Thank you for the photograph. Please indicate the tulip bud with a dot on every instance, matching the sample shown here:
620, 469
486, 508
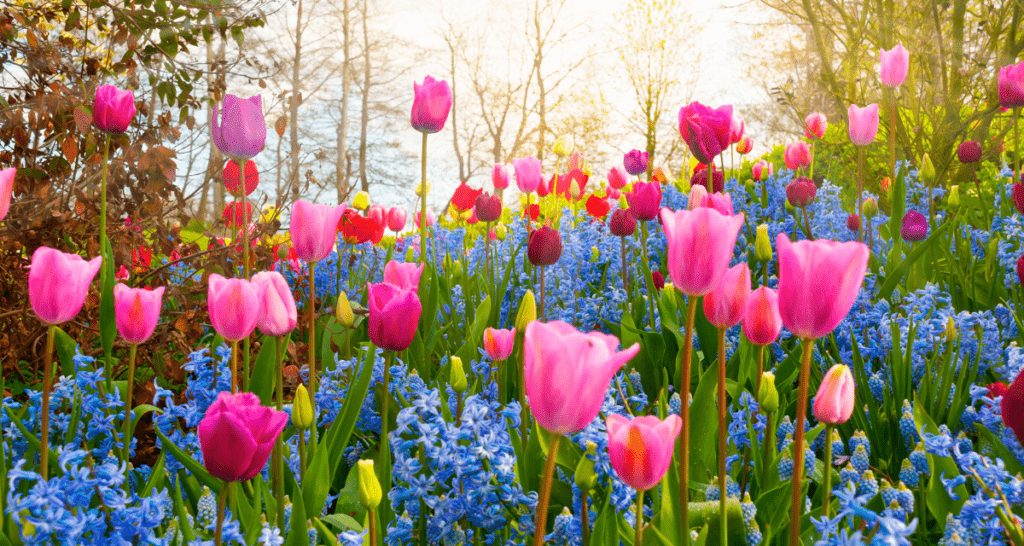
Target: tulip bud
527, 311
500, 232
870, 207
282, 252
302, 409
927, 171
410, 256
419, 189
343, 311
595, 254
834, 401
369, 488
950, 330
767, 394
585, 476
564, 145
853, 222
544, 247
969, 152
457, 376
954, 197
361, 201
763, 244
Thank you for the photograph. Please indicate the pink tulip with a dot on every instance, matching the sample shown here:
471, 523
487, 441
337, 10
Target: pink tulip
797, 154
234, 307
403, 275
278, 315
722, 202
618, 177
1011, 85
237, 435
745, 145
762, 170
377, 213
736, 127
502, 175
314, 230
430, 219
834, 401
58, 283
895, 64
705, 130
818, 283
761, 321
863, 124
136, 312
397, 217
645, 200
698, 196
498, 343
613, 193
815, 125
700, 245
635, 162
1012, 405
528, 175
568, 373
641, 448
394, 314
431, 104
239, 130
727, 303
113, 109
6, 190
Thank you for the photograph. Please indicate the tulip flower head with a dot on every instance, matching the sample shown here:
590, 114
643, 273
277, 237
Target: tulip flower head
700, 178
853, 222
568, 372
745, 145
801, 191
895, 64
618, 177
700, 245
598, 207
1012, 405
762, 323
635, 162
622, 223
278, 315
762, 170
722, 202
502, 175
313, 230
736, 127
113, 109
815, 125
797, 154
834, 401
6, 190
645, 200
641, 448
499, 343
136, 312
706, 131
394, 314
237, 435
430, 219
238, 127
431, 104
1011, 85
488, 207
969, 152
914, 226
58, 283
232, 177
563, 145
528, 175
464, 197
544, 247
234, 307
403, 275
397, 217
1018, 197
863, 124
727, 303
698, 196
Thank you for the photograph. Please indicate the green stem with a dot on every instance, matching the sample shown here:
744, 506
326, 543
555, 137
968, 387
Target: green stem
640, 518
312, 344
279, 444
108, 365
234, 367
860, 193
302, 455
44, 419
828, 469
723, 432
128, 405
222, 498
545, 492
385, 446
892, 146
684, 412
796, 504
649, 279
423, 202
625, 278
711, 178
1016, 141
760, 371
524, 415
540, 306
245, 221
585, 517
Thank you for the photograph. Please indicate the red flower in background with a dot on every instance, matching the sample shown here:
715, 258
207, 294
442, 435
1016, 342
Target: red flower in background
356, 229
233, 214
465, 197
231, 177
563, 185
533, 210
597, 207
141, 258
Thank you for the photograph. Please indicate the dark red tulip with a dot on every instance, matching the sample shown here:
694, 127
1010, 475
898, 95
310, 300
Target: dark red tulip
545, 246
801, 191
622, 223
1018, 196
853, 222
1020, 269
969, 152
997, 389
598, 207
488, 207
659, 279
1013, 407
700, 178
465, 197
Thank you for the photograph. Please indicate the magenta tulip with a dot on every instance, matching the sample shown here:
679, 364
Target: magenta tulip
404, 275
818, 283
498, 343
488, 207
6, 190
136, 312
278, 315
641, 448
113, 109
801, 191
528, 175
727, 303
234, 307
914, 226
635, 162
502, 175
762, 322
431, 104
762, 170
834, 402
705, 130
622, 223
722, 202
797, 154
895, 64
394, 314
815, 125
736, 127
237, 435
645, 200
568, 372
700, 245
397, 217
314, 229
58, 283
863, 124
618, 177
1011, 86
239, 130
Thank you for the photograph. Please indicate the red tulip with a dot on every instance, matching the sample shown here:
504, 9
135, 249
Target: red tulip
357, 229
801, 191
237, 435
914, 226
502, 175
533, 211
598, 207
762, 322
431, 104
465, 197
622, 223
232, 177
853, 222
659, 280
744, 146
394, 314
700, 178
762, 170
544, 247
233, 216
565, 181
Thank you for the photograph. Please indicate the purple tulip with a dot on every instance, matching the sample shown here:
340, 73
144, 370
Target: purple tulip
136, 312
237, 435
635, 162
58, 283
394, 314
431, 104
239, 129
113, 109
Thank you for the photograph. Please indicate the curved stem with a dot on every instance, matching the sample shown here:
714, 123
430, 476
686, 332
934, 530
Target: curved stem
44, 418
828, 468
640, 518
545, 492
108, 365
423, 202
234, 367
684, 412
128, 405
796, 506
221, 501
723, 432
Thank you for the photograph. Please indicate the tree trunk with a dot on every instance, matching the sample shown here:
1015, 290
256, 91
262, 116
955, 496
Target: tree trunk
365, 120
340, 165
293, 134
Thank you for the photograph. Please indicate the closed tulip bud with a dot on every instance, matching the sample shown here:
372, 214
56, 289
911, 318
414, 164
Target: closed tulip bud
658, 279
410, 255
1020, 269
6, 190
238, 127
302, 409
763, 244
834, 401
954, 197
419, 189
797, 154
370, 493
950, 330
762, 322
136, 311
343, 311
431, 104
744, 146
595, 254
927, 171
361, 201
564, 145
622, 223
635, 162
58, 283
500, 232
895, 64
585, 477
801, 191
969, 152
113, 109
853, 222
574, 191
237, 435
527, 311
528, 175
885, 184
544, 247
314, 229
870, 207
234, 307
397, 217
700, 246
767, 394
394, 314
457, 376
815, 125
863, 124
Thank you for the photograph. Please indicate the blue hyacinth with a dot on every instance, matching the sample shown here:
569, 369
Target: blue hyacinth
859, 460
908, 474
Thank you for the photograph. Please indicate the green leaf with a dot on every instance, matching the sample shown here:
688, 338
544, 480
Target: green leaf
193, 466
298, 534
336, 438
156, 477
317, 482
264, 371
34, 442
342, 522
939, 502
892, 280
468, 352
66, 349
703, 424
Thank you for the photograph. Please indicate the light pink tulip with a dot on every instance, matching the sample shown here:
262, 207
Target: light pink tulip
762, 322
403, 275
895, 64
863, 124
502, 175
736, 127
58, 283
528, 175
797, 154
237, 435
762, 170
136, 312
430, 219
278, 315
618, 177
722, 202
568, 373
234, 307
641, 448
498, 343
727, 303
314, 230
700, 245
6, 190
698, 196
834, 401
397, 217
376, 213
815, 125
818, 283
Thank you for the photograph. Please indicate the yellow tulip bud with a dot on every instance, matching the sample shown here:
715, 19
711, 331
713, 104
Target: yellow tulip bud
950, 330
927, 170
595, 254
370, 493
954, 197
564, 145
361, 201
343, 311
500, 232
410, 256
457, 377
763, 244
302, 409
419, 189
527, 311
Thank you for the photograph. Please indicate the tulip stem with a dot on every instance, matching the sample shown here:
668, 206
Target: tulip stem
625, 277
722, 434
128, 405
828, 469
245, 365
373, 527
545, 492
44, 419
860, 193
234, 367
222, 498
423, 202
108, 365
302, 455
312, 344
684, 413
648, 278
540, 309
640, 518
385, 406
524, 416
585, 517
245, 222
279, 444
760, 371
796, 505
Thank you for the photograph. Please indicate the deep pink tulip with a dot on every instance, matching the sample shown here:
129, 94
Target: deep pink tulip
618, 177
488, 207
394, 314
431, 104
136, 312
113, 109
834, 402
895, 64
641, 448
722, 202
622, 223
314, 230
645, 200
528, 175
544, 246
705, 130
818, 283
239, 130
568, 373
815, 125
969, 151
700, 245
234, 307
58, 283
278, 315
613, 193
1012, 405
397, 217
727, 303
736, 127
698, 196
1011, 85
914, 226
863, 124
797, 154
761, 321
502, 175
237, 435
801, 191
403, 275
1018, 197
499, 343
762, 170
6, 190
635, 162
